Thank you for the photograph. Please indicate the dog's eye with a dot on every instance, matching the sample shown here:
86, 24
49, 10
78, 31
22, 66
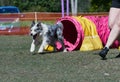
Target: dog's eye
37, 29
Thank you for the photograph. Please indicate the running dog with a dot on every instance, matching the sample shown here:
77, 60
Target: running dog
50, 34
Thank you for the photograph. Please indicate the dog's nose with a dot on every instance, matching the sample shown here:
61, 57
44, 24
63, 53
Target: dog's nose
31, 34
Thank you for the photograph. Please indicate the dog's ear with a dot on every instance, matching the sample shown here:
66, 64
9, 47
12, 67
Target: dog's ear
33, 23
39, 24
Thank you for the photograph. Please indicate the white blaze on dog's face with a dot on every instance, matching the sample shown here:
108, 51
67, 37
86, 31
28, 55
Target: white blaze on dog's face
35, 28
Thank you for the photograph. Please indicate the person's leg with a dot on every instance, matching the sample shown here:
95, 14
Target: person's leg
114, 24
113, 15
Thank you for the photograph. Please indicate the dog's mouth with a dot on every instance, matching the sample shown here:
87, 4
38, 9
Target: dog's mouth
34, 37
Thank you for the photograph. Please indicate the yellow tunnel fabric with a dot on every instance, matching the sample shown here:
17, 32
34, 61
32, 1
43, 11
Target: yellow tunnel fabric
91, 39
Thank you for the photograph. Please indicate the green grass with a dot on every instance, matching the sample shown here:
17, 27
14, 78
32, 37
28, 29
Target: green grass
17, 64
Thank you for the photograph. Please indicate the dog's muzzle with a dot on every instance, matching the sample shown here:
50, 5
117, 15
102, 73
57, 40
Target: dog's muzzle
33, 33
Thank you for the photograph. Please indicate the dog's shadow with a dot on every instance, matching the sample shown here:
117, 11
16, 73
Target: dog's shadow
44, 53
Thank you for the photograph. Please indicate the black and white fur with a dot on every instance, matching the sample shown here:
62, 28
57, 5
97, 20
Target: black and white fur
49, 34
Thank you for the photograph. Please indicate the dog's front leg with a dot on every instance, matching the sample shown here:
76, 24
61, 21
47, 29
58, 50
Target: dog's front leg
41, 49
32, 48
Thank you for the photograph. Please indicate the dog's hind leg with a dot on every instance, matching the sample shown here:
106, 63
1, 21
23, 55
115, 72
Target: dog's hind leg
60, 38
63, 46
62, 43
55, 49
32, 48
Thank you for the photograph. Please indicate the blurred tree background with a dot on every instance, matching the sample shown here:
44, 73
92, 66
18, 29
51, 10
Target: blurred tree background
55, 5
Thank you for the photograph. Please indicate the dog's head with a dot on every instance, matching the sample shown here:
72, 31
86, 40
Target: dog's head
36, 28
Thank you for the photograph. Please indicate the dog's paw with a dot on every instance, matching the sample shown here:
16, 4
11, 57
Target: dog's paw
31, 50
40, 52
64, 50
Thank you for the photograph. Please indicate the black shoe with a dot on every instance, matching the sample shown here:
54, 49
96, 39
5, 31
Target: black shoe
118, 56
103, 53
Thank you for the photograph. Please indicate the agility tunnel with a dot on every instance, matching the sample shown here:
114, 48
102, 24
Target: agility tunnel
73, 33
86, 33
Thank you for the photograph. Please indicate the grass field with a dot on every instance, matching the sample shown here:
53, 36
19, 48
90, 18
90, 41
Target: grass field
17, 64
